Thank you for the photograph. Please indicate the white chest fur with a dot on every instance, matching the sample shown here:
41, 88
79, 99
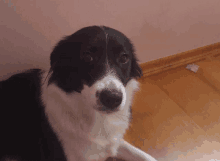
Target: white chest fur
85, 133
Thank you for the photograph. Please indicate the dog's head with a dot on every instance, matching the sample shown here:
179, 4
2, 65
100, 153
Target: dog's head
100, 58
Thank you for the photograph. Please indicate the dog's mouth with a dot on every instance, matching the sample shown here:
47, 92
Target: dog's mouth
106, 110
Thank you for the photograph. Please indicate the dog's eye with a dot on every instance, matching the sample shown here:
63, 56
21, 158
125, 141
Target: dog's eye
87, 57
124, 58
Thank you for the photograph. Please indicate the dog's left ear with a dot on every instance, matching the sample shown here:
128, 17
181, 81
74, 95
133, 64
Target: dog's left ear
136, 70
63, 53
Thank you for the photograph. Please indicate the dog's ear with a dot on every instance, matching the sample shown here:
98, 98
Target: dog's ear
136, 70
65, 65
64, 52
57, 52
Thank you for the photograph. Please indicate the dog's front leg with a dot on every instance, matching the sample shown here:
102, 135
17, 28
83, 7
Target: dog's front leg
128, 152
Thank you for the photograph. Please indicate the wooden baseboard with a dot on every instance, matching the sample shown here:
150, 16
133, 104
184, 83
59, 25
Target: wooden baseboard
180, 59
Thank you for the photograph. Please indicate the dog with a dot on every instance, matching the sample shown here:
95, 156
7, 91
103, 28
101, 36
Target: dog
77, 111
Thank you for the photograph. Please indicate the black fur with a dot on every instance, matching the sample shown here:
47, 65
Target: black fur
25, 131
66, 59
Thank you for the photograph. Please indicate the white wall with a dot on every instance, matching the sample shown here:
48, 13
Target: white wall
30, 28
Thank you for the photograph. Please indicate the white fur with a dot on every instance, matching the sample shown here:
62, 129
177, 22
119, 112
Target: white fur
85, 133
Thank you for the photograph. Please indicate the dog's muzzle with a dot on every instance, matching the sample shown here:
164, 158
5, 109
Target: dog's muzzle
109, 99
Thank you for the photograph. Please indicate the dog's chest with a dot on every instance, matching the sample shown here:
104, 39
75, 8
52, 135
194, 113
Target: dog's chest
107, 133
102, 141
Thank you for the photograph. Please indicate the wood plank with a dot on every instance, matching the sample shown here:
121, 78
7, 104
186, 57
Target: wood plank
209, 72
196, 98
159, 125
184, 58
217, 56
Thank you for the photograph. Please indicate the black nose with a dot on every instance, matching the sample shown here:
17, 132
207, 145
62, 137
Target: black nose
110, 98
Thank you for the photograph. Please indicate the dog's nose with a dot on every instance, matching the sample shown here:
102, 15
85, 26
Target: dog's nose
110, 98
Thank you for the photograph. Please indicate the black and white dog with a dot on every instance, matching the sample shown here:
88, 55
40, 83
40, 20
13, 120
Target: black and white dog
80, 109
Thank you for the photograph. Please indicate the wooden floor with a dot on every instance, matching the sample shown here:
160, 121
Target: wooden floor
176, 114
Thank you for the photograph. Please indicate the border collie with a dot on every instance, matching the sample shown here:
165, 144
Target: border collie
80, 109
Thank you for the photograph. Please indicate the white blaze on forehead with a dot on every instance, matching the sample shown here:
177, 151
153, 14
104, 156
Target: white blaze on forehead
107, 67
109, 81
